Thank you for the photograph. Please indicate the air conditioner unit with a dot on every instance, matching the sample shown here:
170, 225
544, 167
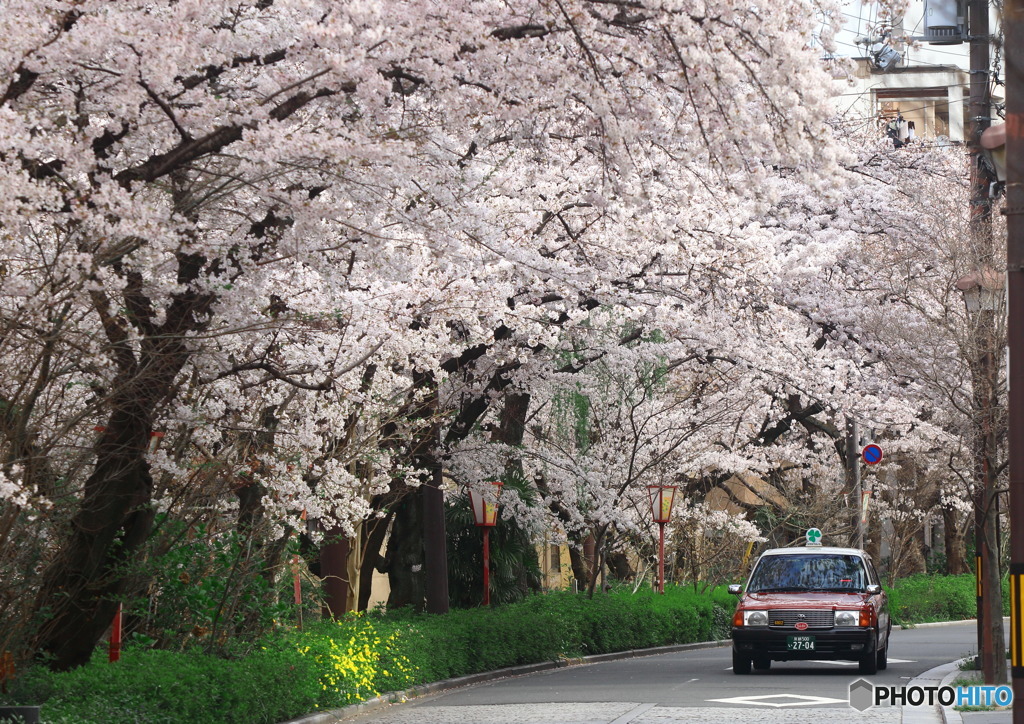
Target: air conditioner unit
943, 22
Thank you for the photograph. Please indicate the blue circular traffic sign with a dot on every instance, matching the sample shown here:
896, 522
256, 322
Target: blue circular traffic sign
871, 454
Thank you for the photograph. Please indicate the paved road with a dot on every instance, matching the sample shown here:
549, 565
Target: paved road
682, 687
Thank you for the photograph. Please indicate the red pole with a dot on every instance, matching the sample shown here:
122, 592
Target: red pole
297, 588
661, 557
296, 581
487, 566
115, 636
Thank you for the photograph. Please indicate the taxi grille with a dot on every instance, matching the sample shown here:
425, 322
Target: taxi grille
788, 618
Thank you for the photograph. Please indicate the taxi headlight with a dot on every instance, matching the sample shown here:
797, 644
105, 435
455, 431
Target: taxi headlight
847, 618
755, 618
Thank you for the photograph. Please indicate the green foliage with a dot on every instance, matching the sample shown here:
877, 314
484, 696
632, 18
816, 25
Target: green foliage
158, 687
331, 664
923, 598
515, 572
355, 658
208, 588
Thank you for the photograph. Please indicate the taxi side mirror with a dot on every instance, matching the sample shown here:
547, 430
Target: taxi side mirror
873, 588
735, 589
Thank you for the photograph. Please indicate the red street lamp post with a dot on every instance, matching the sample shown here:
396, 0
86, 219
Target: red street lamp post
485, 515
662, 497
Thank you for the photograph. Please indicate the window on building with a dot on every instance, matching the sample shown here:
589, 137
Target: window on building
926, 108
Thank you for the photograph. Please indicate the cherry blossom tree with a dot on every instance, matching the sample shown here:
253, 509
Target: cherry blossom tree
284, 233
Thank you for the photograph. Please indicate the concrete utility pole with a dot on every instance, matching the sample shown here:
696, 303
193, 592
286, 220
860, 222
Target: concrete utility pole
1013, 32
991, 645
853, 475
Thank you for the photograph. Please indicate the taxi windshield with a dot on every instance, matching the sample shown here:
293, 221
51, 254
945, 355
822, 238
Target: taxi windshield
808, 572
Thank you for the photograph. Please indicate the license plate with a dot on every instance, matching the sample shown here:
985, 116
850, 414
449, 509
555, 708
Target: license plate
800, 643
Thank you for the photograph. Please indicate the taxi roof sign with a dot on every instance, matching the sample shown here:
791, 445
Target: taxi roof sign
813, 537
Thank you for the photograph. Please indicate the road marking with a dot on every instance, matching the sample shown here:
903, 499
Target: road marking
844, 663
854, 663
800, 700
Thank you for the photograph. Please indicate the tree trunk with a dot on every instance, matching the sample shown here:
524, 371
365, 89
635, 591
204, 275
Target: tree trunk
80, 588
953, 540
82, 584
374, 531
334, 552
404, 560
580, 569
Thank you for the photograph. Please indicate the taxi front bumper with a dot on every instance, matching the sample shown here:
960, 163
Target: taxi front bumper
836, 643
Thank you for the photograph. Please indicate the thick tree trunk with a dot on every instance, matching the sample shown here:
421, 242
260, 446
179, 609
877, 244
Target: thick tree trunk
953, 540
580, 569
334, 552
374, 531
81, 586
404, 559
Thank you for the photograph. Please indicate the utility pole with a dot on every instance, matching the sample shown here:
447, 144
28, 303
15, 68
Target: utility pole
991, 646
853, 474
1013, 32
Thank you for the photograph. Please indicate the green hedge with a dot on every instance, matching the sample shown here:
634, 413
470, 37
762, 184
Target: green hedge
923, 598
162, 687
331, 664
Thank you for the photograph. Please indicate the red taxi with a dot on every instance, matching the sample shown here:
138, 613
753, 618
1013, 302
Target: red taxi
811, 603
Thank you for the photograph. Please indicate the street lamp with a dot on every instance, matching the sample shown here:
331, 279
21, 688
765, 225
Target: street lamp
662, 497
485, 515
982, 290
983, 295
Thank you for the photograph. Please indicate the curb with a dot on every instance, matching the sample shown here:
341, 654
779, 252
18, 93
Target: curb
949, 714
398, 697
910, 626
1006, 619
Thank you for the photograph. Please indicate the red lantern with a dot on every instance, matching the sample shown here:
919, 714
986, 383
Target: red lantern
485, 515
662, 497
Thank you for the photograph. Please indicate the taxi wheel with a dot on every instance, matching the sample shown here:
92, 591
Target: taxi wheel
868, 664
740, 663
762, 664
882, 658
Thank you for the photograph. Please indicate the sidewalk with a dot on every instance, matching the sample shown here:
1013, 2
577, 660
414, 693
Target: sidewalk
951, 716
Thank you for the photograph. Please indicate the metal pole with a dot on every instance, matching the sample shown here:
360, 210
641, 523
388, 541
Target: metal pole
1013, 30
661, 557
487, 566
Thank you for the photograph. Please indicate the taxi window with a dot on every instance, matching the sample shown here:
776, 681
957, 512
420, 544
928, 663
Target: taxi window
810, 572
